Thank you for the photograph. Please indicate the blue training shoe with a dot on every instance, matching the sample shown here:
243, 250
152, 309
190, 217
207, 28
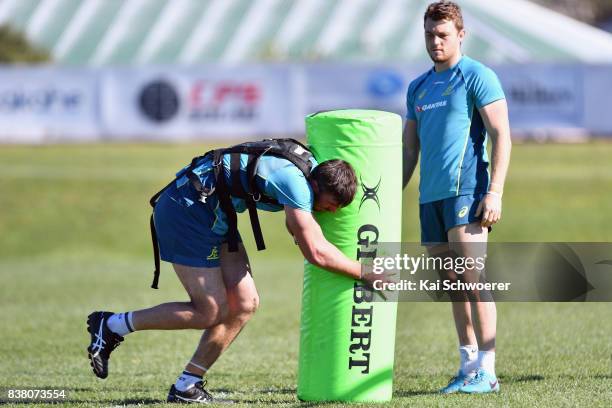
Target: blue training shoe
456, 382
481, 383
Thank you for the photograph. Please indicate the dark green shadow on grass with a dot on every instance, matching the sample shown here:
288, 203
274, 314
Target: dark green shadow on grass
521, 378
413, 393
129, 401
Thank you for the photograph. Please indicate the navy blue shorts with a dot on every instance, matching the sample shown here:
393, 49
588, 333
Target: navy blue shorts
437, 217
184, 231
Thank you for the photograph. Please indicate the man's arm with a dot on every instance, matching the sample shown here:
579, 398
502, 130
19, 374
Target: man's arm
315, 248
411, 149
495, 118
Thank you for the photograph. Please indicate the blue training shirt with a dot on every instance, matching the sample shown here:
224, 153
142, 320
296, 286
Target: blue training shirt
451, 132
276, 177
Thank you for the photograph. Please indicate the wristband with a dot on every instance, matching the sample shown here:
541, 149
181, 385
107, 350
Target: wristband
495, 193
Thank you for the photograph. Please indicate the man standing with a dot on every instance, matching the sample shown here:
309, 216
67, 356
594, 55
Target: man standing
194, 232
451, 110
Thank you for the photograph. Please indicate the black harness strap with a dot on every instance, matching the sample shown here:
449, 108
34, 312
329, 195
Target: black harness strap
155, 283
289, 149
251, 203
257, 234
225, 201
253, 198
301, 160
153, 201
237, 190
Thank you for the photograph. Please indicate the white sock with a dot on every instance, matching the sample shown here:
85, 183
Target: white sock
120, 323
469, 358
486, 361
186, 380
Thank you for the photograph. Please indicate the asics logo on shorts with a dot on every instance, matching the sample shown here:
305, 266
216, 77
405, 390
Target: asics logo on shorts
463, 211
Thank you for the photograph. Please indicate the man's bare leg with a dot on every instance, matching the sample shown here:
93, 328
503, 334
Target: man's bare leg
209, 309
462, 316
466, 240
243, 301
470, 240
207, 306
222, 310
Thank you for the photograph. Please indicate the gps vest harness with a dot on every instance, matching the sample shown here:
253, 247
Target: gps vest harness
289, 149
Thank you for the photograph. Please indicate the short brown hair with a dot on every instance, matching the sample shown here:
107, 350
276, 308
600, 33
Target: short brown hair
336, 177
445, 10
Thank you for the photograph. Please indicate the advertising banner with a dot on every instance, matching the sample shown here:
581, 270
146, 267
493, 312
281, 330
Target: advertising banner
344, 86
203, 102
543, 96
538, 96
45, 105
597, 86
42, 105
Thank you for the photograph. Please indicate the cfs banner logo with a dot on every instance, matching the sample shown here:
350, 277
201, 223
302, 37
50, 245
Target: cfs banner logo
224, 99
204, 100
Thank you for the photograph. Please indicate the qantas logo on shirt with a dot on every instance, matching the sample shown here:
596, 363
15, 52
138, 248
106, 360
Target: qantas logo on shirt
429, 106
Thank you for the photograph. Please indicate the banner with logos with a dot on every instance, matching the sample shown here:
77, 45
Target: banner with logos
596, 96
538, 96
39, 105
206, 102
332, 87
45, 105
544, 96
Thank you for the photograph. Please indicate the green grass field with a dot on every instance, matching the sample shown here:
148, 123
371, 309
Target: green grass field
74, 238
